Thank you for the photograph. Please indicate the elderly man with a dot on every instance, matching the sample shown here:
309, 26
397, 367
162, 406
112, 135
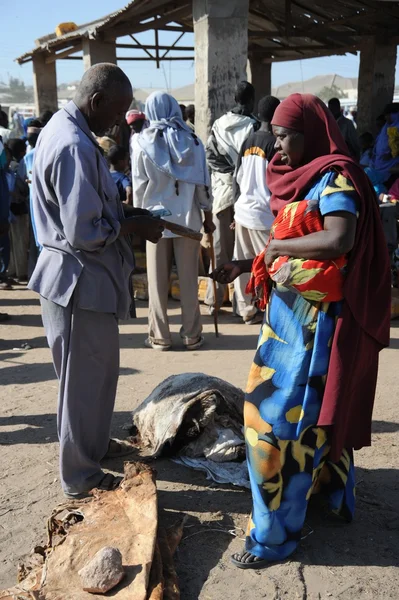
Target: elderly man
83, 271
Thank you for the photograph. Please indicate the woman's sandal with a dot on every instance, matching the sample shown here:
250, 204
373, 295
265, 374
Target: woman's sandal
108, 483
119, 448
246, 560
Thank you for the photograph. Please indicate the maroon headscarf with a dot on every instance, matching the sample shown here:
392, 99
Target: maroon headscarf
363, 327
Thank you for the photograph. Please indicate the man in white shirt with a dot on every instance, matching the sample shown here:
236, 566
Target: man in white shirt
252, 214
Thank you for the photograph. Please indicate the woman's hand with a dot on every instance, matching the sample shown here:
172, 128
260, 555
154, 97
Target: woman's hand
226, 273
272, 253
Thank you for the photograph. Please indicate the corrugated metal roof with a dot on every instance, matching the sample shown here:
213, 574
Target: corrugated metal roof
311, 29
89, 30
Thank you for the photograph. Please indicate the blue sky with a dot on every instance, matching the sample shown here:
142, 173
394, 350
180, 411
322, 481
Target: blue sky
24, 21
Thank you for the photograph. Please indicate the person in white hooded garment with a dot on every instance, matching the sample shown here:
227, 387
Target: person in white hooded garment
169, 173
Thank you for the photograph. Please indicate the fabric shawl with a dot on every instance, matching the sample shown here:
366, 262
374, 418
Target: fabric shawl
170, 144
363, 327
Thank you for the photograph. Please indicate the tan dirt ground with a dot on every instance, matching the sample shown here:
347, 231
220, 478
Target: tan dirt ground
343, 562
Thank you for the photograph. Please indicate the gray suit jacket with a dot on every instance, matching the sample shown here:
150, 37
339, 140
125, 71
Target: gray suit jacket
77, 214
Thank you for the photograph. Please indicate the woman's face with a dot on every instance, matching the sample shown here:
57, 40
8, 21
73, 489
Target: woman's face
290, 145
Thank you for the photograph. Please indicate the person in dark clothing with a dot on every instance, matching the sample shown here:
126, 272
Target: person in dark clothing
190, 116
45, 117
252, 214
118, 160
222, 150
346, 127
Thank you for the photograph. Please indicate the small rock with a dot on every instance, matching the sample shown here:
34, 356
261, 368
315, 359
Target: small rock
103, 572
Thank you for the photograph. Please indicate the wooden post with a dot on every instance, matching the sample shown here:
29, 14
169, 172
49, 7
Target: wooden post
221, 47
44, 83
376, 80
260, 75
98, 51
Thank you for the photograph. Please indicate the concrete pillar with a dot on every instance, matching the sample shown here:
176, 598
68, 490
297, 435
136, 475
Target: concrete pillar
44, 84
97, 51
376, 80
221, 47
260, 75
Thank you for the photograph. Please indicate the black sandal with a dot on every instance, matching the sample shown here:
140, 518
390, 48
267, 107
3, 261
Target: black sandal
108, 483
246, 560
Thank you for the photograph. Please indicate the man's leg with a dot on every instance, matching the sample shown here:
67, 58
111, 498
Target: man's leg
249, 243
85, 348
4, 256
223, 240
159, 263
186, 253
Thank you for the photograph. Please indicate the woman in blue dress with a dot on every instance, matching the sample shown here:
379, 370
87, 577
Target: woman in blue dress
311, 386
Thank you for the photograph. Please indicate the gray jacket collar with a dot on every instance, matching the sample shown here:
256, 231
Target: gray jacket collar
74, 112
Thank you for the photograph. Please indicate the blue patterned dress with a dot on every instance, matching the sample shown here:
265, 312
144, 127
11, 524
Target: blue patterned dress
287, 453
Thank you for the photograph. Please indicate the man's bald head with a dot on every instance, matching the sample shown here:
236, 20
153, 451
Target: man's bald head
103, 96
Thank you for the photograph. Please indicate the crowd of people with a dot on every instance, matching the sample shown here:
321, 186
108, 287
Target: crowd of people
296, 226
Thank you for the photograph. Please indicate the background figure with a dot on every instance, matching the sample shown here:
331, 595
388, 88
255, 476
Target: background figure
384, 167
170, 172
346, 127
118, 160
4, 225
366, 141
25, 173
190, 116
183, 111
5, 131
19, 226
223, 147
136, 121
252, 214
45, 117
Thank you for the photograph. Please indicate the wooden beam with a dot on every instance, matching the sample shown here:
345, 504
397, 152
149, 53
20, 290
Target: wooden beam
149, 47
139, 45
387, 8
145, 58
156, 33
64, 54
335, 52
288, 17
157, 23
259, 50
140, 58
173, 45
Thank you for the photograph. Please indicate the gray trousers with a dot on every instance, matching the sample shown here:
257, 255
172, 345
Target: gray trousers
159, 265
223, 241
249, 243
85, 348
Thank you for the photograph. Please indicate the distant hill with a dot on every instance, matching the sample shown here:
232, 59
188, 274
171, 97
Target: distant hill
315, 85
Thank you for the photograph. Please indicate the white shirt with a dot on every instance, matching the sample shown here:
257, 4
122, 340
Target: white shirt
153, 190
252, 209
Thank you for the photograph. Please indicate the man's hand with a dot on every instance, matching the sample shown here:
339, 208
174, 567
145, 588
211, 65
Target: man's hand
145, 227
132, 211
209, 225
226, 273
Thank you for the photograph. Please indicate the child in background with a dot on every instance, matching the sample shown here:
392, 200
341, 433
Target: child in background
118, 160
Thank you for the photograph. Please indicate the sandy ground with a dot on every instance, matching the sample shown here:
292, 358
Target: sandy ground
344, 562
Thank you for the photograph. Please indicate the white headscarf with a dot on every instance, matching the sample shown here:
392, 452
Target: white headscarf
170, 144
